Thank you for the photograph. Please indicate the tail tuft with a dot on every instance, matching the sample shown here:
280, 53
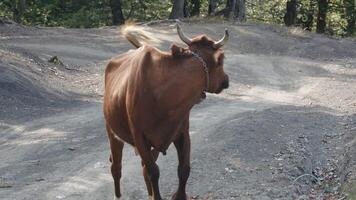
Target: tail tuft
136, 35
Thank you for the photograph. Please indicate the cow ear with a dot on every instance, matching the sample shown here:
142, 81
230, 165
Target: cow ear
178, 51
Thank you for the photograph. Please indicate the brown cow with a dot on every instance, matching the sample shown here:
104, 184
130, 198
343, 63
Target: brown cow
148, 98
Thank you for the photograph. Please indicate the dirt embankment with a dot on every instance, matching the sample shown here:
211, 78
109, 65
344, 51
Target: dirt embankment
285, 129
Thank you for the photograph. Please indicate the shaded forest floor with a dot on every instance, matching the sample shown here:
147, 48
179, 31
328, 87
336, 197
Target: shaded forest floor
285, 129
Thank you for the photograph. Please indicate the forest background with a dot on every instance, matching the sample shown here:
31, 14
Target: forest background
332, 17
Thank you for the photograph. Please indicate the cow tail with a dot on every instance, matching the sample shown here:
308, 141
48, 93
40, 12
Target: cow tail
129, 32
135, 34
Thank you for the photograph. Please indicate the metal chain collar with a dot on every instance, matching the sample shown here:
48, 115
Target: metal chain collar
205, 67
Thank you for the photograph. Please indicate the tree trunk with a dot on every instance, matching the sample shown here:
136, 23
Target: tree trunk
322, 11
19, 10
177, 10
212, 7
196, 8
230, 10
116, 10
62, 4
76, 5
235, 9
242, 10
350, 12
186, 9
291, 14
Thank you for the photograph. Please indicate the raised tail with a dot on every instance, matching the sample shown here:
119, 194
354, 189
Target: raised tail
136, 35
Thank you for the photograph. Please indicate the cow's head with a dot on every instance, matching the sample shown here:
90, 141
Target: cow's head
212, 53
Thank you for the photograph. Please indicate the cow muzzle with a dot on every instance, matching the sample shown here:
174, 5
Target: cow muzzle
225, 82
224, 85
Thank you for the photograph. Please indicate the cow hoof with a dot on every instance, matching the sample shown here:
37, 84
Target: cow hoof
178, 196
152, 198
116, 198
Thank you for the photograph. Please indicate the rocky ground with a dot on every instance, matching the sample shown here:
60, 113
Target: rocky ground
285, 129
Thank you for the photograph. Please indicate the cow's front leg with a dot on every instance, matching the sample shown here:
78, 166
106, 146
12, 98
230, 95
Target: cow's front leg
182, 145
150, 166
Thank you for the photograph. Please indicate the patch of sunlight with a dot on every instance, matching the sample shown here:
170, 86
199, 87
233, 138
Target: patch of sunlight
333, 93
79, 183
258, 93
298, 32
10, 127
14, 37
37, 136
309, 86
333, 68
338, 69
246, 32
85, 182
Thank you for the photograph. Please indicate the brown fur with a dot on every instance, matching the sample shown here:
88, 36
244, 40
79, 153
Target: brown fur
180, 52
147, 101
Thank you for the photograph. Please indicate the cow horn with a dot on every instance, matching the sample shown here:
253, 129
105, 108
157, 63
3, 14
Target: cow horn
181, 35
223, 40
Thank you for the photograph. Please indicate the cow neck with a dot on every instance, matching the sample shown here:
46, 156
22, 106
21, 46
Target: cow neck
205, 67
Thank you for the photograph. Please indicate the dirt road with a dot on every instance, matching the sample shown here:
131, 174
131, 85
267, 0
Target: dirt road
285, 129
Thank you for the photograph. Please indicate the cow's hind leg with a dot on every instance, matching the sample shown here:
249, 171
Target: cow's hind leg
145, 173
149, 162
182, 145
116, 147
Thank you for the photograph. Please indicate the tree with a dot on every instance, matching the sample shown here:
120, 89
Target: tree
235, 10
186, 9
212, 7
116, 10
291, 14
350, 12
61, 4
332, 16
241, 10
195, 8
18, 10
321, 20
230, 9
177, 9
